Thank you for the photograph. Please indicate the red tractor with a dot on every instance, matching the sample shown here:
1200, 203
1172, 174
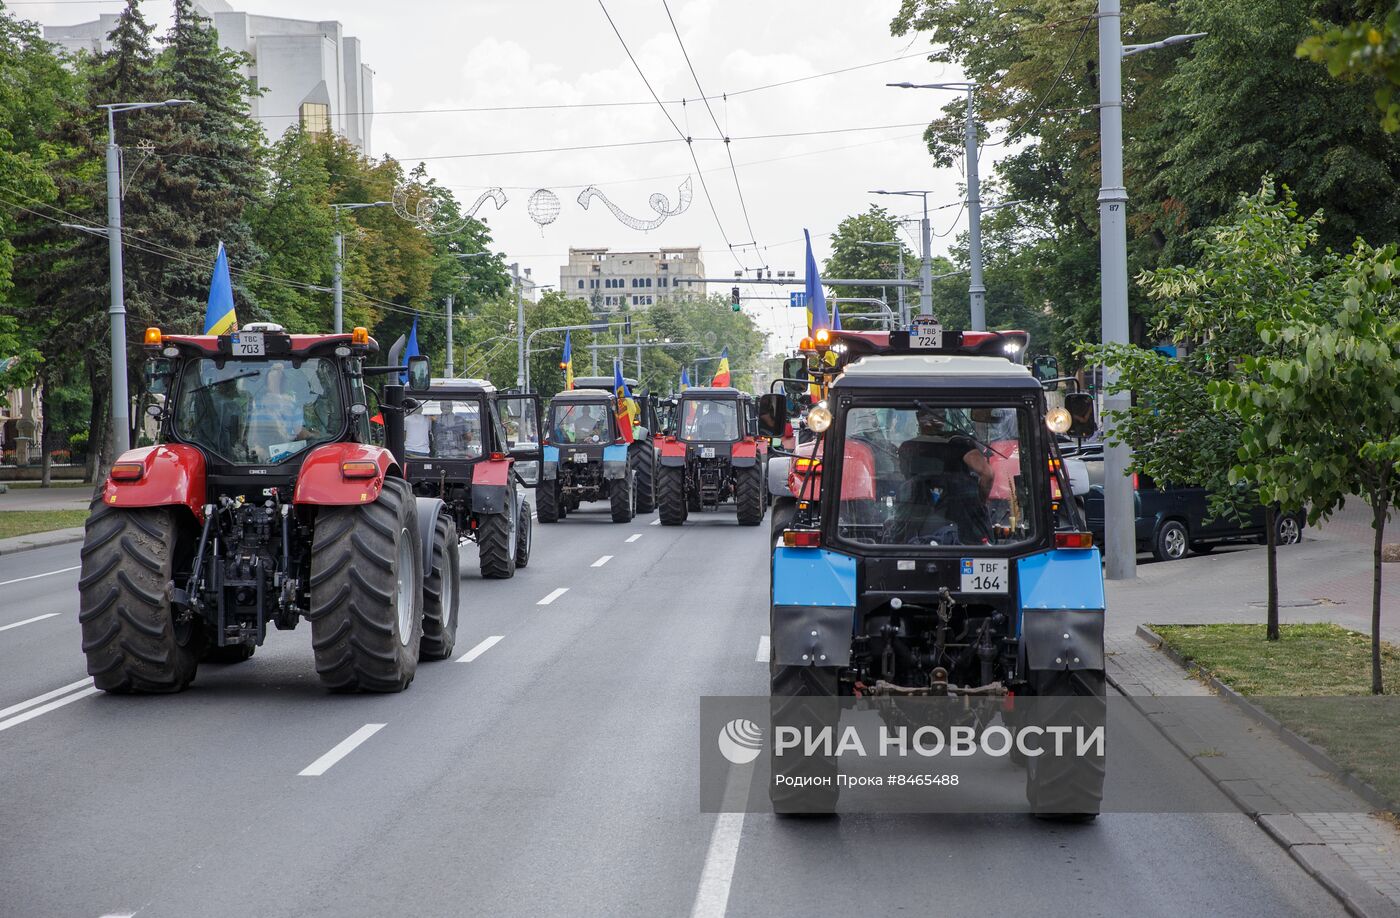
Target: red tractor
711, 457
264, 502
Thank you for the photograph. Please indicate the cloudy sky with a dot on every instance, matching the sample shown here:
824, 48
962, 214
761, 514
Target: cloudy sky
486, 53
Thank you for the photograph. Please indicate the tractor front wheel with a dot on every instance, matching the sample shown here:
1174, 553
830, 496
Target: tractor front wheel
132, 634
367, 593
440, 594
622, 498
644, 471
670, 495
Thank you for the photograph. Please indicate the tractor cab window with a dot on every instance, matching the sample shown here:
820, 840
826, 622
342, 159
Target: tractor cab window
709, 419
934, 475
581, 422
257, 412
445, 429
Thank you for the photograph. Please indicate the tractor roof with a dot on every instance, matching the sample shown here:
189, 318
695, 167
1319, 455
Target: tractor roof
713, 392
448, 386
584, 395
601, 382
278, 342
981, 343
935, 370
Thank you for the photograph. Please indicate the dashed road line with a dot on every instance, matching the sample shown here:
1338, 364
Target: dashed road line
481, 648
762, 656
633, 538
712, 898
61, 570
340, 751
601, 561
28, 621
655, 522
552, 596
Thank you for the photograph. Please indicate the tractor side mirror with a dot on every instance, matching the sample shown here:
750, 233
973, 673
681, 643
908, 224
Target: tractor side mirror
1045, 368
795, 368
1080, 406
772, 415
419, 377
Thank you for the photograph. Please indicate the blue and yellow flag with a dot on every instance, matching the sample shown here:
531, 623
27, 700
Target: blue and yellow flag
722, 371
411, 349
624, 402
219, 317
685, 379
567, 362
835, 318
816, 297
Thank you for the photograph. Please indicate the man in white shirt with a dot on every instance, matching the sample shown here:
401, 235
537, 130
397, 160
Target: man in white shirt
415, 432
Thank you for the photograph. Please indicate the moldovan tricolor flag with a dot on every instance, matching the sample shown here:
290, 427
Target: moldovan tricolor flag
567, 362
624, 398
219, 317
722, 373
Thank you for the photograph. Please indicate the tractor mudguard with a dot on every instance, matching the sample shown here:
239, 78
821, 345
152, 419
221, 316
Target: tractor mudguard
1062, 609
814, 600
172, 475
490, 486
615, 461
743, 454
549, 467
322, 482
429, 509
673, 453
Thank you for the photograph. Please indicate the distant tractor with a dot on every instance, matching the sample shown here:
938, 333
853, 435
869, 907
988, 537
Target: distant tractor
641, 453
465, 443
586, 457
712, 456
264, 502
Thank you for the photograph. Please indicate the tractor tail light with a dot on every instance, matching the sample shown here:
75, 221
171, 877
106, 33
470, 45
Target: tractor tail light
804, 466
497, 457
359, 468
128, 471
801, 538
1074, 540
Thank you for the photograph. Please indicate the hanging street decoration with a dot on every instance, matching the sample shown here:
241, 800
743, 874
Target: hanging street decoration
424, 210
659, 203
543, 207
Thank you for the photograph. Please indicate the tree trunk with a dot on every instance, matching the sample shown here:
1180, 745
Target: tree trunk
1271, 552
1378, 507
45, 440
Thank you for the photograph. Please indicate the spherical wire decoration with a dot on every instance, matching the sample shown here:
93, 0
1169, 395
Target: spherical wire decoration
543, 207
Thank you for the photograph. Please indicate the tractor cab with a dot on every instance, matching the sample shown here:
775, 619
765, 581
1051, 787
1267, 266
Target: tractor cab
589, 455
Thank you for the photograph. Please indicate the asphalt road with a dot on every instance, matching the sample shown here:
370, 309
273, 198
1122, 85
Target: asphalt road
554, 772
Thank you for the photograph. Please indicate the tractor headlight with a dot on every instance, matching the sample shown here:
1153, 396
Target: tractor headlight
1058, 420
819, 418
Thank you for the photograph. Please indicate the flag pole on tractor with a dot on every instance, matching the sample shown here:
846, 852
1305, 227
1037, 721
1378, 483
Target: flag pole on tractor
219, 317
816, 297
624, 400
722, 371
567, 362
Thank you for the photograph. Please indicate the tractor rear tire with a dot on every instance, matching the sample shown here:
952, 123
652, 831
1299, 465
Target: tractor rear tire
622, 497
367, 593
227, 654
748, 495
644, 472
670, 495
784, 512
1068, 788
496, 538
130, 634
803, 697
551, 508
524, 536
441, 593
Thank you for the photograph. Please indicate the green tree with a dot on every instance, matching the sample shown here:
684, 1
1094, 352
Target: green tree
1365, 49
1331, 401
851, 257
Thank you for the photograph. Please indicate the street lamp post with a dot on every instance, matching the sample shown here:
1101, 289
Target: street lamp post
340, 255
899, 268
121, 420
926, 266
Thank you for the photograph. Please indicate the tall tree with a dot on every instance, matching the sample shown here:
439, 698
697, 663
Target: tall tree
851, 256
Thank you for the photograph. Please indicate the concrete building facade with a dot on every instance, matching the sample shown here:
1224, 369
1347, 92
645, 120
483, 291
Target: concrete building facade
611, 279
311, 73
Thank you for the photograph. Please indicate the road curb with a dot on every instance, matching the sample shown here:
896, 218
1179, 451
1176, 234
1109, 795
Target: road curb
1304, 846
40, 540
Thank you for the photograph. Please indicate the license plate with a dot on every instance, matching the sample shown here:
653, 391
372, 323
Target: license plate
249, 344
926, 336
983, 575
580, 457
707, 452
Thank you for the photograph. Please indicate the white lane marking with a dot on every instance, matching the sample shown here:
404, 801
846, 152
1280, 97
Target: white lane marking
46, 708
656, 522
712, 898
37, 618
62, 570
633, 538
341, 750
601, 561
481, 648
762, 656
552, 596
40, 699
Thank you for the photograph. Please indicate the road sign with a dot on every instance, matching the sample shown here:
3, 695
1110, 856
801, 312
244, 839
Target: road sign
797, 299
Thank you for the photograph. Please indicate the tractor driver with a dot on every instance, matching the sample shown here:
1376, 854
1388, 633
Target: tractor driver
276, 417
454, 434
946, 484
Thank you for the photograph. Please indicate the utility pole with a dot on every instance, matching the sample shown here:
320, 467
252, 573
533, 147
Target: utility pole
976, 291
116, 311
450, 374
926, 264
519, 327
338, 267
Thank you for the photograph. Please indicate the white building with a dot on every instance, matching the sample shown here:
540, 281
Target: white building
606, 278
310, 72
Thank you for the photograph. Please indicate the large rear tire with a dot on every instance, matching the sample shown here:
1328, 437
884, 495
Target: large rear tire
525, 535
131, 637
622, 498
495, 536
748, 495
803, 698
644, 473
1067, 787
441, 594
367, 593
670, 495
550, 508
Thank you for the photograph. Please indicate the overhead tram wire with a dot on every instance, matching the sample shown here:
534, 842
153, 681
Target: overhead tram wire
728, 150
690, 147
1046, 97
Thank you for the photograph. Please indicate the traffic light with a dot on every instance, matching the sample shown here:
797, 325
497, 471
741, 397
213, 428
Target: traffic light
734, 299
